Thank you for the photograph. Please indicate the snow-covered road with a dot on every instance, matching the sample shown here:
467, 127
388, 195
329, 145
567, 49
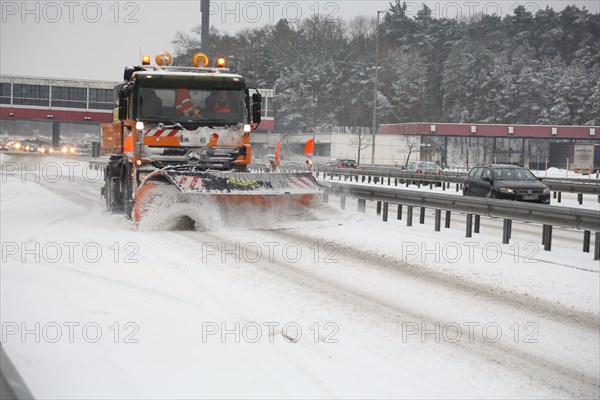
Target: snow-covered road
321, 304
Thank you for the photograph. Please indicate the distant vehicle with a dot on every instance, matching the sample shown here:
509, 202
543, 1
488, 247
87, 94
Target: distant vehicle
32, 147
46, 149
3, 147
337, 163
503, 181
584, 158
67, 149
423, 167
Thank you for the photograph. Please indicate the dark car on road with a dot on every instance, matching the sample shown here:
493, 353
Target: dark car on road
509, 182
342, 164
423, 167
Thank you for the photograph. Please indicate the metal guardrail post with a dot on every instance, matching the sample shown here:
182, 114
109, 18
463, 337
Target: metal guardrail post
544, 226
554, 195
580, 198
548, 241
422, 216
444, 186
438, 220
477, 223
457, 187
399, 216
409, 215
363, 178
362, 205
559, 196
385, 211
469, 225
389, 180
396, 184
506, 231
343, 202
586, 241
447, 221
597, 246
379, 208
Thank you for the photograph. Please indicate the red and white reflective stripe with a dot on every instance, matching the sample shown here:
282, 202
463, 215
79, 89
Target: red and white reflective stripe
194, 182
163, 132
187, 182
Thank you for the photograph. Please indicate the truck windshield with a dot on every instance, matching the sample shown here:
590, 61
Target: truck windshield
183, 104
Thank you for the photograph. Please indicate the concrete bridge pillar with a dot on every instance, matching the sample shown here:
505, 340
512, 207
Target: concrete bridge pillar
55, 134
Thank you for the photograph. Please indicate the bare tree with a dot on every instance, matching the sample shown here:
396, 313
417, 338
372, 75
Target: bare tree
410, 139
411, 142
184, 43
360, 138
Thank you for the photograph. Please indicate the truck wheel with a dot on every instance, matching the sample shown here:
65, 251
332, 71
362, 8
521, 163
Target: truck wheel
110, 191
126, 190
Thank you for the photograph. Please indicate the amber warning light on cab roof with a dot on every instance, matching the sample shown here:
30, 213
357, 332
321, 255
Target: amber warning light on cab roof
164, 59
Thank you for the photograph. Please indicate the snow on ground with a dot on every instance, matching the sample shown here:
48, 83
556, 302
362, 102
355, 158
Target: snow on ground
381, 310
563, 173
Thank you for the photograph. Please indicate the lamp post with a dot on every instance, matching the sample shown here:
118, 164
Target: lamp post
205, 10
374, 130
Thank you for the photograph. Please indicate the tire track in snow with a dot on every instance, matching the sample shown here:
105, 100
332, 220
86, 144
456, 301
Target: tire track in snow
303, 283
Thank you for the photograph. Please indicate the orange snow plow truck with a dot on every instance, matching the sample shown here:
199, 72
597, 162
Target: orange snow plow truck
179, 133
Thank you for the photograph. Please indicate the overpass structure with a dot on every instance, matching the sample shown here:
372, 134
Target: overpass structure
59, 101
56, 100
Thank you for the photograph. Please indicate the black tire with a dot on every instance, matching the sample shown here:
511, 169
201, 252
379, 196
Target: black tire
493, 195
111, 192
126, 189
466, 191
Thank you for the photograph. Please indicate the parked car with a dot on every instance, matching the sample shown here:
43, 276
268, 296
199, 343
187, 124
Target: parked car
337, 163
500, 181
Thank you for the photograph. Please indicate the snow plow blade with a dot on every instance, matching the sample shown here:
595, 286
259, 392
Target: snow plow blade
184, 192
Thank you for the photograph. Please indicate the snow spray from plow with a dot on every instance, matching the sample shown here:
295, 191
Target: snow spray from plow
181, 198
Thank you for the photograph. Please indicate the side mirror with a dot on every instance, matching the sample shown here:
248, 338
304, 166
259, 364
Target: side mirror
256, 108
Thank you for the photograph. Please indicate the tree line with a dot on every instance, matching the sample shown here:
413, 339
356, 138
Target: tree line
523, 68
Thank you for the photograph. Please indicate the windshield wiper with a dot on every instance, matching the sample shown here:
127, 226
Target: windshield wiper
173, 125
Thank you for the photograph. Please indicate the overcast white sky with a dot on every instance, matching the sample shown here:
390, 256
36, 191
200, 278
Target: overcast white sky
96, 39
